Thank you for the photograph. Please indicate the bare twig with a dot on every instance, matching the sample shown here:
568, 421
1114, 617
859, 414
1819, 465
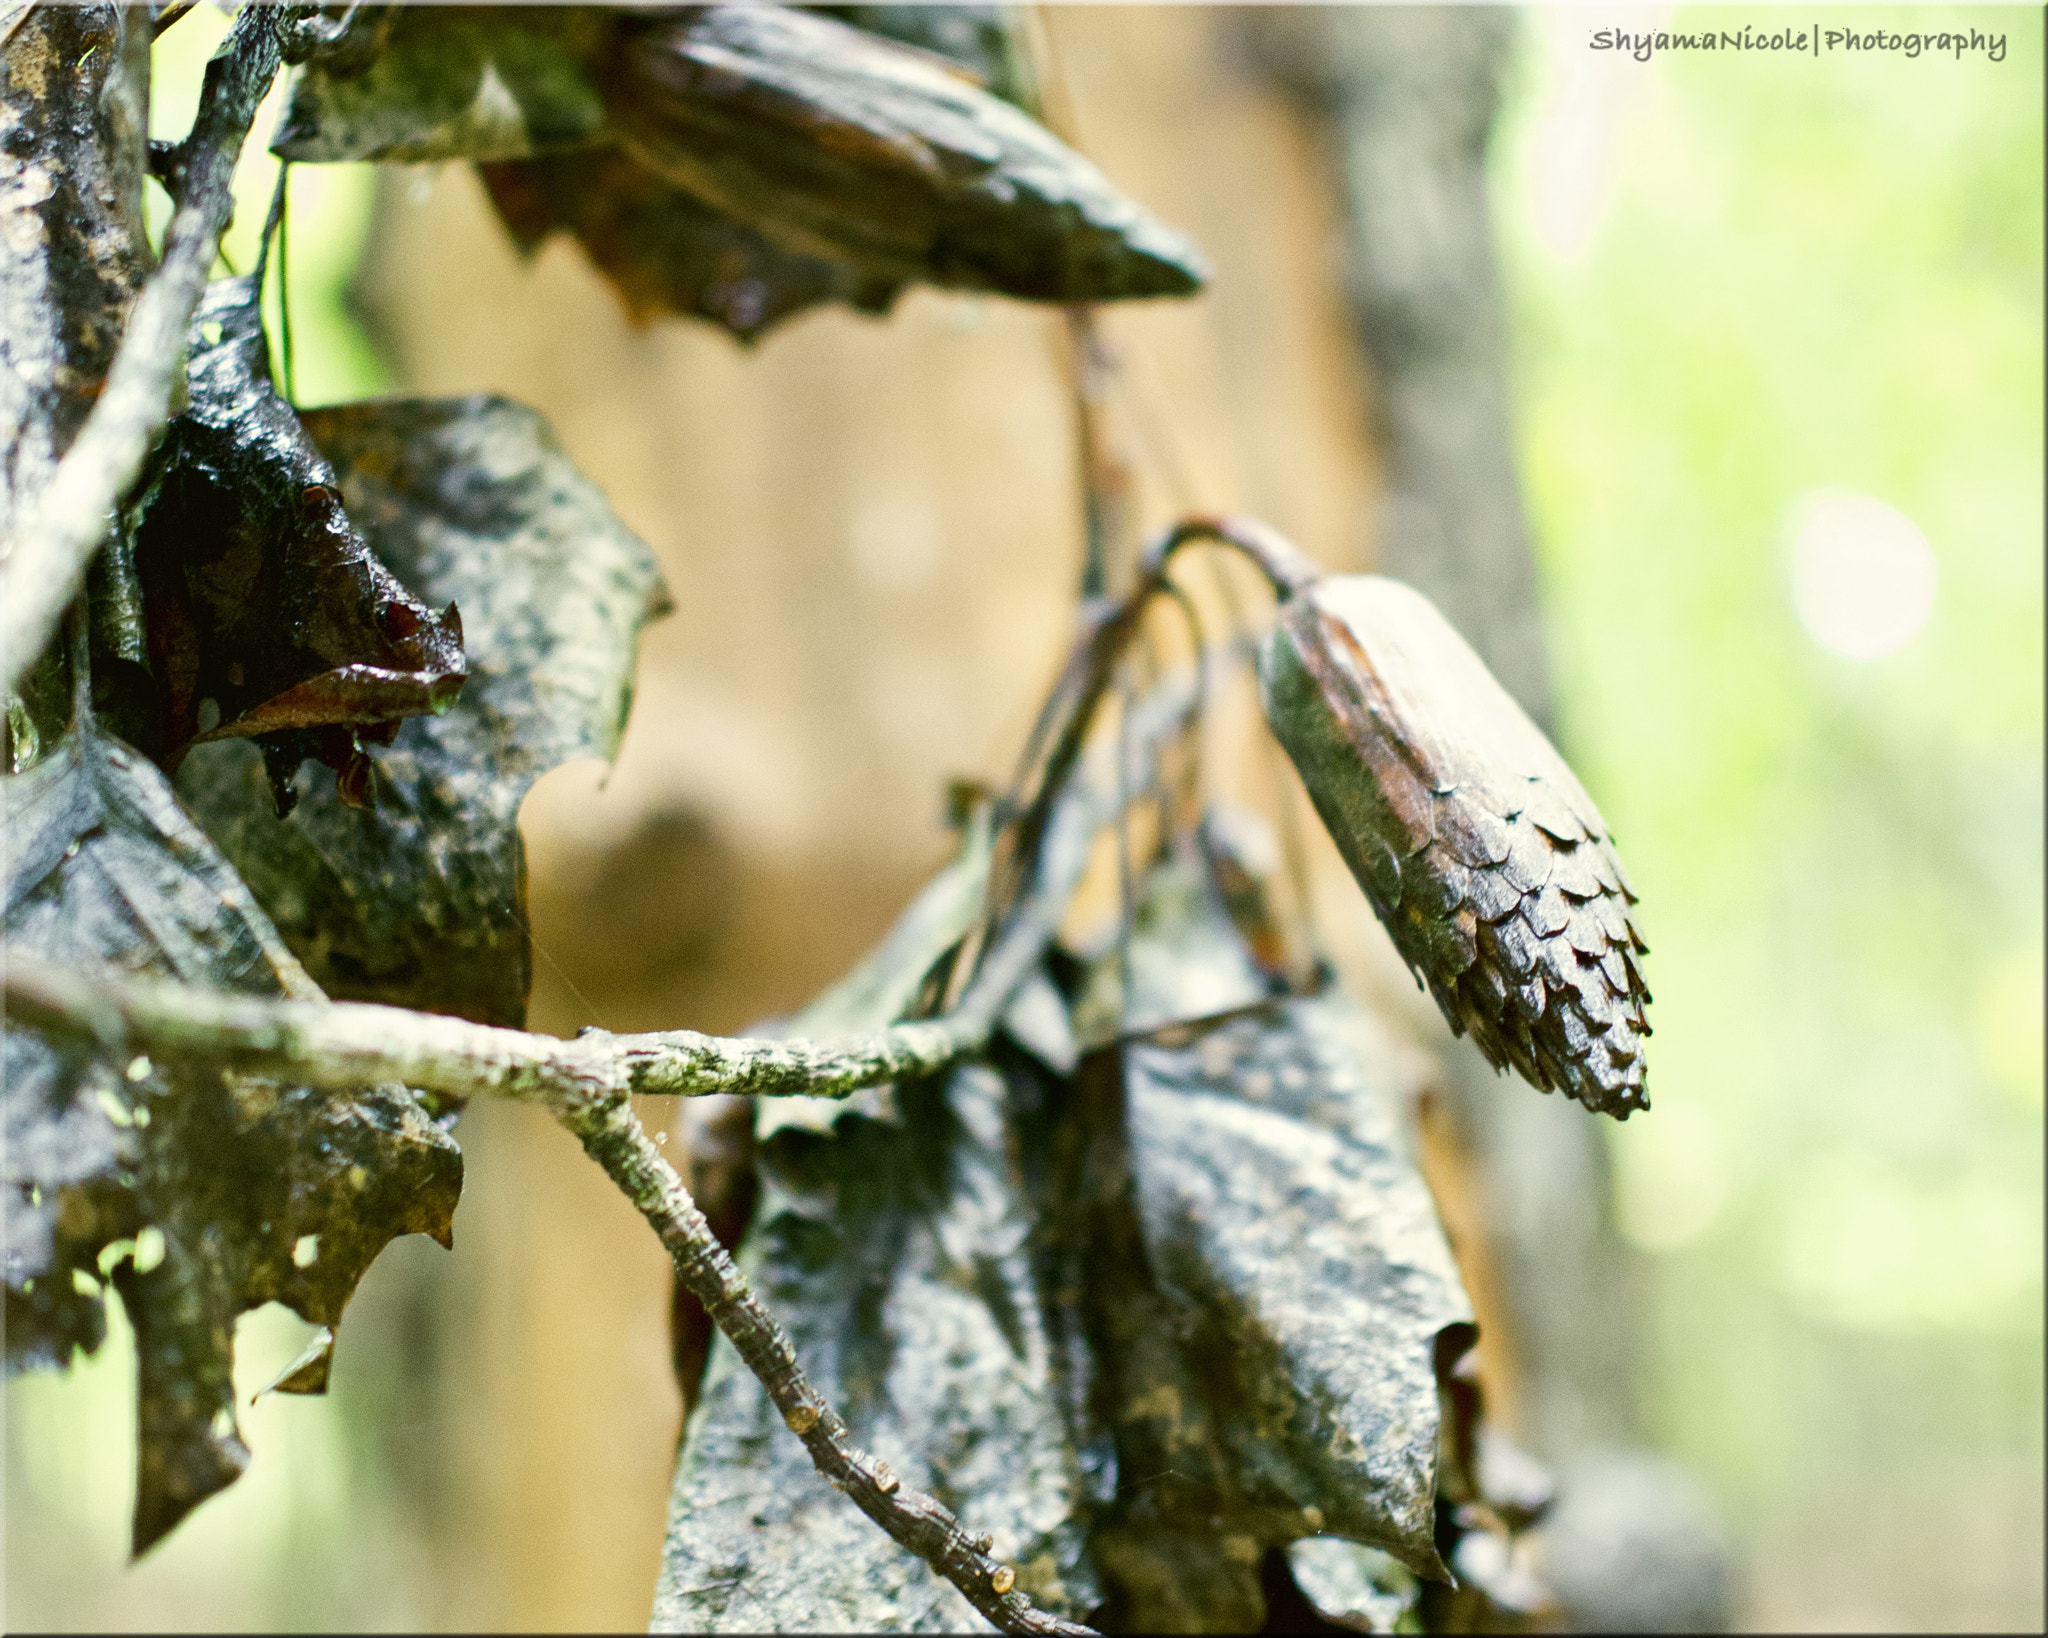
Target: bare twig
46, 560
1107, 631
586, 1084
614, 1138
341, 1045
165, 16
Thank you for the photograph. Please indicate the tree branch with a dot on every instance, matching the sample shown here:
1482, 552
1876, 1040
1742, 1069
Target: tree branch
342, 1045
615, 1139
587, 1084
46, 559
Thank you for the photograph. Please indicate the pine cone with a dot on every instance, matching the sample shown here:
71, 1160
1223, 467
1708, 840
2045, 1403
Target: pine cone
1479, 849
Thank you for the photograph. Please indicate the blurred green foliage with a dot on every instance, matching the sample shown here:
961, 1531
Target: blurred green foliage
1736, 280
328, 222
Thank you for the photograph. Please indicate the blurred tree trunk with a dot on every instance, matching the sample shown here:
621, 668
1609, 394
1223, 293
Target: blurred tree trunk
1404, 100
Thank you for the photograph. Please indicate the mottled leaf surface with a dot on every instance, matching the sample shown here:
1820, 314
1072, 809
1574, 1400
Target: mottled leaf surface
1220, 1276
664, 250
199, 1195
419, 900
892, 1239
1280, 1207
1268, 1291
836, 143
897, 1254
453, 82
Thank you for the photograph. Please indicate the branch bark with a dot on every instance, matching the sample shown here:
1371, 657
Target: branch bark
58, 531
74, 111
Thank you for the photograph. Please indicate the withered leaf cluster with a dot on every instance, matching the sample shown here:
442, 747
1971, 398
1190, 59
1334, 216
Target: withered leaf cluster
1151, 1290
419, 897
255, 609
740, 163
198, 1196
1162, 1314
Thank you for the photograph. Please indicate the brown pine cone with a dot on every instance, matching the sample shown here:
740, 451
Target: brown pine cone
1478, 847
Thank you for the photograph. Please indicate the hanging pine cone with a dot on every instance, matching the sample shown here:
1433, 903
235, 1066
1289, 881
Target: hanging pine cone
1478, 847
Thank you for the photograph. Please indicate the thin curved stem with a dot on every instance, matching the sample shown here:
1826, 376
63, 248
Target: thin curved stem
1108, 632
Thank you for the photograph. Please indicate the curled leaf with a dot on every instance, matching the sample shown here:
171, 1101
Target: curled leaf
260, 594
199, 1195
666, 252
1479, 849
74, 112
421, 901
840, 145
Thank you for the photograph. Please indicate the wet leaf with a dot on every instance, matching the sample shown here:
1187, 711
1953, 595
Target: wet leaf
772, 160
1480, 851
1279, 1205
259, 594
664, 251
1267, 1285
840, 145
897, 1254
453, 82
200, 1196
420, 900
1233, 1297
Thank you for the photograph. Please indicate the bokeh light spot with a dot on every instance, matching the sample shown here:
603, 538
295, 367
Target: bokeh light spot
1863, 575
1673, 1176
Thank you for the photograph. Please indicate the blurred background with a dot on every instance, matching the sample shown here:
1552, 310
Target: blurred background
1704, 392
